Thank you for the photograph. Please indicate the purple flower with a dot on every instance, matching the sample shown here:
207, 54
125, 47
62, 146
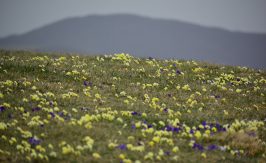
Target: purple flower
134, 113
34, 141
198, 146
176, 129
219, 127
85, 83
165, 110
61, 114
52, 114
211, 125
212, 147
2, 108
169, 128
167, 153
122, 147
204, 123
133, 126
36, 109
178, 72
172, 129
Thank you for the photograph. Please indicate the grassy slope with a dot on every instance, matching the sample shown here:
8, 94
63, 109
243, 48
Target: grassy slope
125, 106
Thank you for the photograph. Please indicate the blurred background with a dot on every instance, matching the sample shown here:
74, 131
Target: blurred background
230, 32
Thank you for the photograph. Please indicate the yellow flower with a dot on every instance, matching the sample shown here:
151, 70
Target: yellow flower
120, 120
151, 143
89, 143
12, 140
52, 154
225, 112
203, 155
155, 99
138, 124
186, 87
112, 145
40, 148
197, 134
96, 155
208, 132
149, 130
51, 146
35, 97
156, 139
232, 152
26, 134
127, 161
74, 110
238, 90
129, 146
97, 96
175, 149
175, 158
160, 153
149, 156
3, 126
122, 156
137, 148
8, 83
144, 115
123, 93
7, 105
201, 126
67, 150
126, 101
161, 123
131, 138
4, 137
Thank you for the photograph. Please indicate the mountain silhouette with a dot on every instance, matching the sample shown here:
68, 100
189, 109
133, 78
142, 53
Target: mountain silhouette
143, 36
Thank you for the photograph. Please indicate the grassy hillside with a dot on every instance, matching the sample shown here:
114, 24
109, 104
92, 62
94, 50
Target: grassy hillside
70, 108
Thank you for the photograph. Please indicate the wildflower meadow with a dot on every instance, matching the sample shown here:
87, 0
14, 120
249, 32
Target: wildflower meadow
119, 108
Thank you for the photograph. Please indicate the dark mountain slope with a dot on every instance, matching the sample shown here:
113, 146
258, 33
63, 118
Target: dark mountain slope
143, 36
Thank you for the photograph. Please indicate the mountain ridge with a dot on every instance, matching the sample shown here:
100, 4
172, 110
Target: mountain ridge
144, 36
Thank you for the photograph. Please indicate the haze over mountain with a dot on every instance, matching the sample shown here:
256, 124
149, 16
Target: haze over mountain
142, 36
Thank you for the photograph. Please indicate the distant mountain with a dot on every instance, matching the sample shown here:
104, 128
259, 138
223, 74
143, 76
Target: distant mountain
142, 36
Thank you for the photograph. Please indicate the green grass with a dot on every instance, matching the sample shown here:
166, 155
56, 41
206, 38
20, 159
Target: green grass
128, 109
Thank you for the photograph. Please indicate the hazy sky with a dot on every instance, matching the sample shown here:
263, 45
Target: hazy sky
19, 16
